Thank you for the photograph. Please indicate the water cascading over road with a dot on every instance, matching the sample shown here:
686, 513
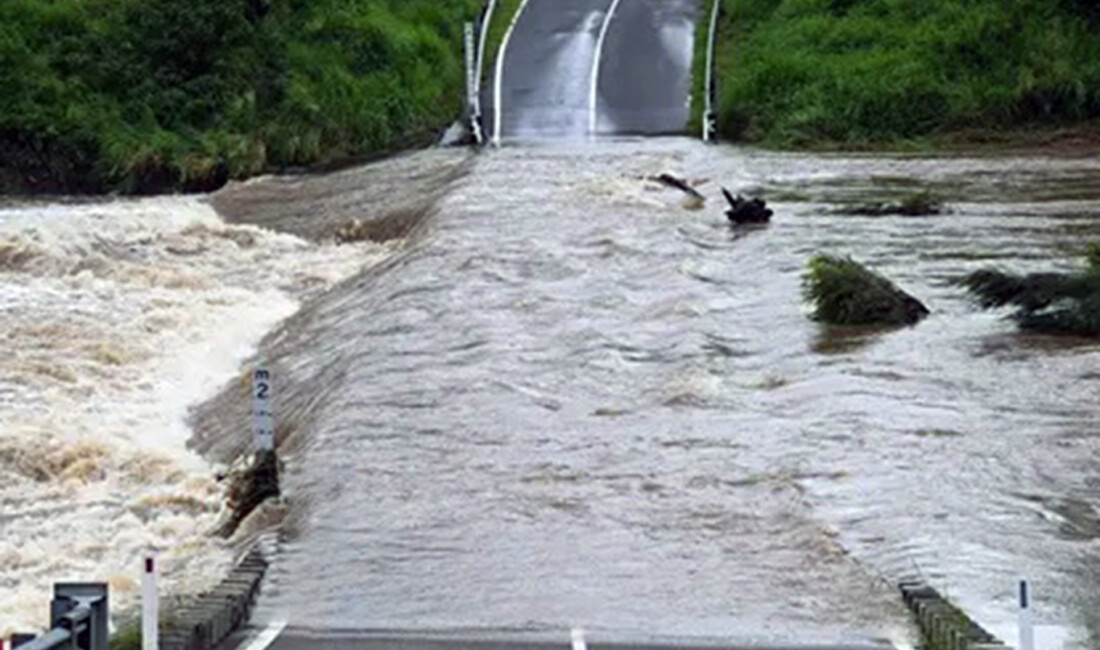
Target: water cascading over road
573, 402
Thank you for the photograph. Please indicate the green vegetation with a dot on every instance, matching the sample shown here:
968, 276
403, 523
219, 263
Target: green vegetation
921, 204
843, 292
148, 95
127, 637
502, 18
856, 72
1057, 303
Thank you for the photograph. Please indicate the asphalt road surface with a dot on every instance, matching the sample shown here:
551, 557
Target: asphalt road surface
573, 68
276, 638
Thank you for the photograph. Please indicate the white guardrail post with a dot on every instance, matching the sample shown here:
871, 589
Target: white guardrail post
1027, 632
150, 604
709, 118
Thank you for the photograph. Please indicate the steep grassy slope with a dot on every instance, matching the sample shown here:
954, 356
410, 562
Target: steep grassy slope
147, 95
803, 72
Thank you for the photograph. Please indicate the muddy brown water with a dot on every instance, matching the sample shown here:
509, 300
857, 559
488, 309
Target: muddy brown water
570, 400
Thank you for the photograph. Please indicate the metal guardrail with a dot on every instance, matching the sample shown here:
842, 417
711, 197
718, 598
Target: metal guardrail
78, 619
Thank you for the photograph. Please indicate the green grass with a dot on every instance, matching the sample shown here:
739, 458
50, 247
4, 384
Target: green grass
147, 95
854, 72
502, 17
1055, 303
843, 292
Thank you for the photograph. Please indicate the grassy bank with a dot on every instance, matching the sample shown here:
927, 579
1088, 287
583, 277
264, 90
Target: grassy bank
150, 95
861, 72
503, 15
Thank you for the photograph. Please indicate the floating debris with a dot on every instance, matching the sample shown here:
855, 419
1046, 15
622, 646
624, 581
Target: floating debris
744, 210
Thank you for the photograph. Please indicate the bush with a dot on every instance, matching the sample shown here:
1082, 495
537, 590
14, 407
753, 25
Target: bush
1057, 303
843, 292
147, 95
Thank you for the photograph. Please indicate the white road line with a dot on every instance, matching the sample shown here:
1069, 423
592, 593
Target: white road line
577, 637
265, 638
596, 67
497, 110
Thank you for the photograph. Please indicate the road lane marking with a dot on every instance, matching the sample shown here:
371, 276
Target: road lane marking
577, 635
497, 111
596, 67
265, 638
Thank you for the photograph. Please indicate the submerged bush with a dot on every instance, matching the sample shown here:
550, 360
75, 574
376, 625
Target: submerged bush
843, 292
853, 71
1059, 303
145, 95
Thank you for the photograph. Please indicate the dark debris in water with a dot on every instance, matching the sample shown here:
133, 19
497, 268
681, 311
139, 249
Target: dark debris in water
922, 204
1055, 303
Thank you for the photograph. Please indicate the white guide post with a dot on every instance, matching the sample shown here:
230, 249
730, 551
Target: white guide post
708, 84
1027, 633
150, 604
263, 417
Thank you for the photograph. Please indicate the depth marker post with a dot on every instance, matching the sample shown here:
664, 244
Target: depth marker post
150, 604
263, 417
1027, 633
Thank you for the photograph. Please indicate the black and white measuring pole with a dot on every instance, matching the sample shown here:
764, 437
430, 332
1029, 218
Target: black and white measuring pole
1027, 632
150, 604
263, 416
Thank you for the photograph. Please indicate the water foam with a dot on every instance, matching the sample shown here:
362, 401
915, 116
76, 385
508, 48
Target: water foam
114, 318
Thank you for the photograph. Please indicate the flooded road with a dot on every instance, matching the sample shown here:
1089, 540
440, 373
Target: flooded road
546, 394
571, 401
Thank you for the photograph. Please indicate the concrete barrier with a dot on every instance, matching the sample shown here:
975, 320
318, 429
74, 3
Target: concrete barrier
204, 621
945, 626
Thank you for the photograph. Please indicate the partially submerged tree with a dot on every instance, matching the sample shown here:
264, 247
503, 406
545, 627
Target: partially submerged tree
843, 292
1057, 303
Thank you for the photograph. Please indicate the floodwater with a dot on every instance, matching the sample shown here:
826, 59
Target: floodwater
564, 398
575, 401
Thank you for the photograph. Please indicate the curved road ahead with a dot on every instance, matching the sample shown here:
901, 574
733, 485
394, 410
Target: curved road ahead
573, 68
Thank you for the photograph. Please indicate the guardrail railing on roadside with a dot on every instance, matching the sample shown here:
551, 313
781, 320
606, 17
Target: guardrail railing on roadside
78, 619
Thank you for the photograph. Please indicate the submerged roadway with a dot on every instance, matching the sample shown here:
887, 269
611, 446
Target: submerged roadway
566, 69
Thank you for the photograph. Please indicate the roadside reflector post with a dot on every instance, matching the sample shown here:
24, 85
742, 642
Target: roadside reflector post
150, 604
1027, 633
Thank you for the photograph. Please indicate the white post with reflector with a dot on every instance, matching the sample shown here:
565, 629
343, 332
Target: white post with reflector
150, 604
1027, 632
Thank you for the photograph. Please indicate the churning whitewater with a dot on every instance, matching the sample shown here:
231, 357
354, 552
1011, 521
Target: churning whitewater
116, 317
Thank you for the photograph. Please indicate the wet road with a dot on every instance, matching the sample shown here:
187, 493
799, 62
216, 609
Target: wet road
582, 67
